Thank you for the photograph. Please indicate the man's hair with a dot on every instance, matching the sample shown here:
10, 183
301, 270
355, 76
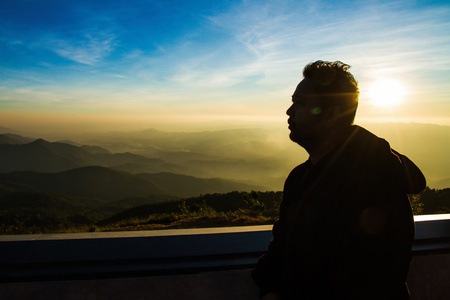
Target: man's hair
335, 85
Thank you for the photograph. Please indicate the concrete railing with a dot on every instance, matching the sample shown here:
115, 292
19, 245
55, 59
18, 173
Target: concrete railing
212, 263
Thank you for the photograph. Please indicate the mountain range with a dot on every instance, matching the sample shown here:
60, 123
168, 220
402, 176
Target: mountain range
236, 161
259, 157
112, 185
43, 156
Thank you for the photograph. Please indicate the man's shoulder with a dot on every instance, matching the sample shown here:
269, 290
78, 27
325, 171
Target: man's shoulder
359, 135
363, 144
300, 169
369, 158
298, 172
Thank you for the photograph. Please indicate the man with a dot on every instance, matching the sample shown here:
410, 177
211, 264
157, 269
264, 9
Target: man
346, 228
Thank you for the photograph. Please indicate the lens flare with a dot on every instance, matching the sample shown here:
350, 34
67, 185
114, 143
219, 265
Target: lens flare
387, 93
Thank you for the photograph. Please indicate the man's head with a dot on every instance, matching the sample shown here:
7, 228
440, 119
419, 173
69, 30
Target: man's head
327, 98
335, 86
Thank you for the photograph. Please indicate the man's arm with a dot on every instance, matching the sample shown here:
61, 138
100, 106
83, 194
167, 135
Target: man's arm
269, 269
415, 182
376, 251
268, 272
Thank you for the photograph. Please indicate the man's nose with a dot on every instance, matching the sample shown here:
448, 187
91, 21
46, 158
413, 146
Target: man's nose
289, 110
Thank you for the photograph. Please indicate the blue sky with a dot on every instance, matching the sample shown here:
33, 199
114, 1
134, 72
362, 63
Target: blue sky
185, 64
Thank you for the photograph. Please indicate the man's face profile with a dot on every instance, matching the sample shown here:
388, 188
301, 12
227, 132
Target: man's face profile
305, 114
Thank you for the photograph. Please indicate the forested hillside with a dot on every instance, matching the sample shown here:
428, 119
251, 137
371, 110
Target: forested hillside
45, 213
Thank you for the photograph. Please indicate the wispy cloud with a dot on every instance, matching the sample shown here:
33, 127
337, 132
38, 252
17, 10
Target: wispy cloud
373, 36
261, 48
89, 50
29, 99
244, 53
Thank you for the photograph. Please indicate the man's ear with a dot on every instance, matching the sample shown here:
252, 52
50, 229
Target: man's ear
331, 115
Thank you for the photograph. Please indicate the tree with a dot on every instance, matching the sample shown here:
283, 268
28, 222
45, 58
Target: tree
253, 206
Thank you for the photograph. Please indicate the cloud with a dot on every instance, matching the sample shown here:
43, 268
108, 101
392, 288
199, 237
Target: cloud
245, 53
282, 37
29, 99
89, 50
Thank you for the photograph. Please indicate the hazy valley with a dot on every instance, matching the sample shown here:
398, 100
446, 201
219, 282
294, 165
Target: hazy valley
82, 179
256, 156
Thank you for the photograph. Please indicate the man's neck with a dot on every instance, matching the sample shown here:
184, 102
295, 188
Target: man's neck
320, 152
326, 144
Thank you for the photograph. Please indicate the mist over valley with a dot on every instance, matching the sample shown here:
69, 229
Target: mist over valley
142, 179
258, 157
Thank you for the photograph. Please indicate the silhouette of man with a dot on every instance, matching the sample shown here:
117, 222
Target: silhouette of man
346, 228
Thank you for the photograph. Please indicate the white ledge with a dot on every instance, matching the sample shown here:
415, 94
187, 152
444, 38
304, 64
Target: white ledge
133, 234
420, 218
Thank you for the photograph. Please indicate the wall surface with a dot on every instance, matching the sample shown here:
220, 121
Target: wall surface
228, 285
180, 264
429, 279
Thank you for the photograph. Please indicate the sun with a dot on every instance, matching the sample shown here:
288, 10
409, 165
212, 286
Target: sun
386, 93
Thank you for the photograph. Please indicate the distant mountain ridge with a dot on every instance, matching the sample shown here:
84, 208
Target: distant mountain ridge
44, 156
207, 161
14, 139
111, 185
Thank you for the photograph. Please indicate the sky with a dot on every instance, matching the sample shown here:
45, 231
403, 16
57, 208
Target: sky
196, 65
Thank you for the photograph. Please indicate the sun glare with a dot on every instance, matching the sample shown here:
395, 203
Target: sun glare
387, 93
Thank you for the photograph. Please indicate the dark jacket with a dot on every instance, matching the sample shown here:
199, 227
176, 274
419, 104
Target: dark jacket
346, 228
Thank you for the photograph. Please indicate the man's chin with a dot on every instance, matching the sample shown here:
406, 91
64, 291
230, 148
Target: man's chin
293, 137
296, 139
